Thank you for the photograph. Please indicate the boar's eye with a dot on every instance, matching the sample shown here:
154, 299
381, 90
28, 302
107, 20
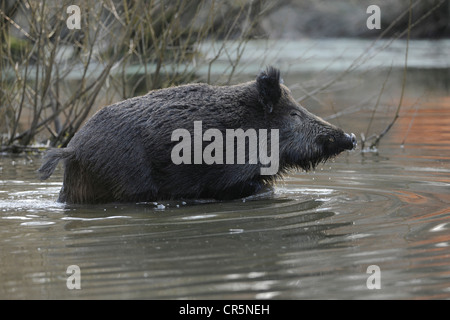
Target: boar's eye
293, 114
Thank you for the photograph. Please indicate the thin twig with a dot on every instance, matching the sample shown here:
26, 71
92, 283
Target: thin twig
364, 139
374, 144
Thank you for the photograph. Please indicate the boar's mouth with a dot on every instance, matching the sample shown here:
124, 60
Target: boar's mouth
334, 144
321, 149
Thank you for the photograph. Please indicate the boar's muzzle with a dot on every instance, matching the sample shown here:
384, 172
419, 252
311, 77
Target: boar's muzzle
334, 144
350, 141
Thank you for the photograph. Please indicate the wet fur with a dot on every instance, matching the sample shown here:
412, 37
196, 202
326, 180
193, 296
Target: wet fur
122, 154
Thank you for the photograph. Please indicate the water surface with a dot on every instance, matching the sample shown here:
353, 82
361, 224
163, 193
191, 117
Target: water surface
314, 236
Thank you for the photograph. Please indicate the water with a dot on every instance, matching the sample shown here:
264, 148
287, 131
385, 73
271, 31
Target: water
314, 236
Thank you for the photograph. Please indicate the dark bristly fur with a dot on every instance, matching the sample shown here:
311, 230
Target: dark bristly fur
51, 159
268, 85
123, 153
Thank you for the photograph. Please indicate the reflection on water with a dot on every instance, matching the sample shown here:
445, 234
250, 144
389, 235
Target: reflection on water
312, 236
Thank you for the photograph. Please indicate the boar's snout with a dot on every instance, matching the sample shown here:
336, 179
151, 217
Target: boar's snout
333, 144
348, 141
352, 138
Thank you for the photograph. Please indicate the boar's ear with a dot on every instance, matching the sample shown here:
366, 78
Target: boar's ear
269, 89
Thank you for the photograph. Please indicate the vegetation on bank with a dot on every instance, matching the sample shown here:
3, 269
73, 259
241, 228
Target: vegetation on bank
52, 77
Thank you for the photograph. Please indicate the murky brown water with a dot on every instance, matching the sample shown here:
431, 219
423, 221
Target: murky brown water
313, 237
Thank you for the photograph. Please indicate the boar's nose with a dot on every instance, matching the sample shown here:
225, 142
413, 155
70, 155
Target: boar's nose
352, 140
